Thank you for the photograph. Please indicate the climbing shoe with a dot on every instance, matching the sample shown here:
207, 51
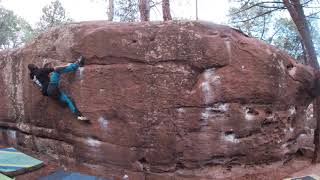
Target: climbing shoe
80, 116
83, 118
80, 61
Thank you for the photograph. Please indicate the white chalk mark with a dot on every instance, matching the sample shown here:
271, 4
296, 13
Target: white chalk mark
231, 138
103, 122
81, 70
284, 148
292, 71
248, 116
12, 134
282, 66
223, 107
206, 89
312, 131
205, 115
228, 46
181, 110
93, 142
292, 110
209, 111
284, 145
291, 129
209, 80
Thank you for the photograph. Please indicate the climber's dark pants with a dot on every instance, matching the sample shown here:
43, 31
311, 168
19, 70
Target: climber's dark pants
53, 87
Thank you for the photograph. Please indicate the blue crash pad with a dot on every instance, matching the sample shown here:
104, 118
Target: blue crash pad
14, 162
63, 175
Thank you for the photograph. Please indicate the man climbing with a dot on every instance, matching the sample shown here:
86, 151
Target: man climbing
49, 85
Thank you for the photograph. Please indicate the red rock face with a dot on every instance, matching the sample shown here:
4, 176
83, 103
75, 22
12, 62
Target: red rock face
172, 100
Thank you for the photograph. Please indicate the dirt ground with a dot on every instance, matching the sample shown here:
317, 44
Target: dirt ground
295, 168
313, 169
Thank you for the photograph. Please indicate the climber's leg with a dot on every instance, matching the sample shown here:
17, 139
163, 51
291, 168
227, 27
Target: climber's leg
63, 97
65, 69
53, 87
70, 67
72, 106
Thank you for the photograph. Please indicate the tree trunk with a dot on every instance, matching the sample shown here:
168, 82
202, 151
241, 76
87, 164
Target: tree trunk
304, 53
298, 17
111, 10
166, 10
297, 14
197, 10
144, 8
316, 155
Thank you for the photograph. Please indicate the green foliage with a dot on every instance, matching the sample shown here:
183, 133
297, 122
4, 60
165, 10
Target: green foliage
267, 22
28, 31
287, 37
243, 19
315, 33
14, 31
126, 10
53, 14
8, 27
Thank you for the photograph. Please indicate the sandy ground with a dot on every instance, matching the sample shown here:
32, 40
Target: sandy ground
294, 168
45, 170
313, 169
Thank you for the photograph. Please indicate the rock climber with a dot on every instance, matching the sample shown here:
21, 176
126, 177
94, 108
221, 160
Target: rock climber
47, 79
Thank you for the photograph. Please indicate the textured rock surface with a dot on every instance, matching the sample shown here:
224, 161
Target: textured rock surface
174, 100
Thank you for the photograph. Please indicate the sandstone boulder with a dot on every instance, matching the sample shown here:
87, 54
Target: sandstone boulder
167, 100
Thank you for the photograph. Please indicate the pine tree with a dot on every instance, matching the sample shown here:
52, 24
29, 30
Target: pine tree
126, 10
53, 14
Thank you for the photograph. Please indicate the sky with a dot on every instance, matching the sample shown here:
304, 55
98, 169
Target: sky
86, 10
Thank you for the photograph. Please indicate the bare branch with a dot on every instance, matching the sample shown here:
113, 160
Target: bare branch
306, 3
263, 29
246, 3
255, 5
268, 7
312, 14
154, 4
312, 7
157, 10
264, 5
276, 32
265, 13
314, 17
